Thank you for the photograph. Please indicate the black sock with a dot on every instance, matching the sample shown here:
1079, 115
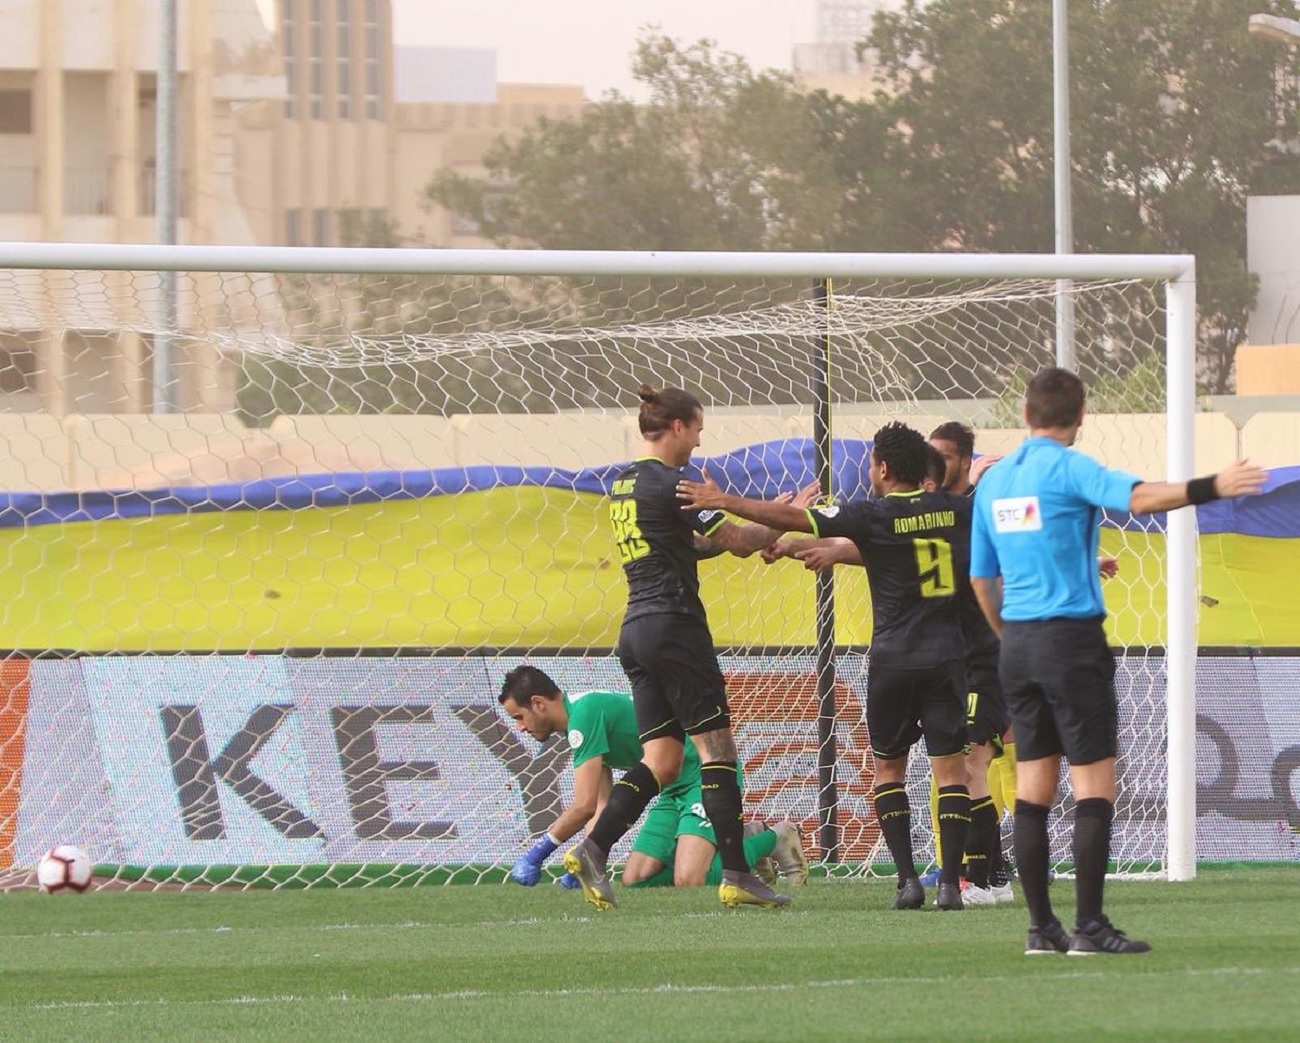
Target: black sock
1092, 818
1032, 856
720, 787
954, 822
895, 815
982, 841
629, 797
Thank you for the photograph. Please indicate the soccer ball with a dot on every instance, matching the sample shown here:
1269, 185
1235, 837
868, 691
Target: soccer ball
64, 868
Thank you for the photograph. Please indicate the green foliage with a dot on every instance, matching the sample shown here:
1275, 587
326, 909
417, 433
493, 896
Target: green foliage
721, 158
1174, 119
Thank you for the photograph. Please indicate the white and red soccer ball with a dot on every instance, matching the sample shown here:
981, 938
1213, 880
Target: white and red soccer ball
64, 868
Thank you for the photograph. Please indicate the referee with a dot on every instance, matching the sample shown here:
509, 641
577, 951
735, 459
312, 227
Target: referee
1034, 544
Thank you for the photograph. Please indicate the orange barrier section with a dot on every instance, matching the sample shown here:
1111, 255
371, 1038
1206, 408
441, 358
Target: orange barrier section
13, 733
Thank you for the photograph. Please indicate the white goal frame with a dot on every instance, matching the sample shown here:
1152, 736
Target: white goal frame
1177, 272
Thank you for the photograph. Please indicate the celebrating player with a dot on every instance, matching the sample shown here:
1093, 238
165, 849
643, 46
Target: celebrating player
913, 544
666, 650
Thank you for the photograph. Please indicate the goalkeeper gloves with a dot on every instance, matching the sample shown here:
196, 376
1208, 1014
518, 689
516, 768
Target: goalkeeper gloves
528, 870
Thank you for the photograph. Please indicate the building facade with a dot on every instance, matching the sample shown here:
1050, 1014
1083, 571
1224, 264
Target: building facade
290, 134
78, 104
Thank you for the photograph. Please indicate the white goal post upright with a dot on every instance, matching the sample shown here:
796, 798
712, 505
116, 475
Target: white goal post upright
1176, 272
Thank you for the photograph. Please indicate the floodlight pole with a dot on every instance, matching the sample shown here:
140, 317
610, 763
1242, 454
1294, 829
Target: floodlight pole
167, 204
1065, 357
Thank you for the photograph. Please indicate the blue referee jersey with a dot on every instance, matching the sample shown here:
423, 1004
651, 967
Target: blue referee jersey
1037, 525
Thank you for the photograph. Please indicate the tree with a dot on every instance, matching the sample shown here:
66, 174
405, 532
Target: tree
1172, 118
721, 158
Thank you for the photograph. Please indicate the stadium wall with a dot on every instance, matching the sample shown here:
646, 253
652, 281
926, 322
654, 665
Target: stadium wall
80, 452
407, 760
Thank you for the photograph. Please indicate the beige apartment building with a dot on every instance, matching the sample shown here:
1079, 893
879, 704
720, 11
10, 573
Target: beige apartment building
340, 161
289, 135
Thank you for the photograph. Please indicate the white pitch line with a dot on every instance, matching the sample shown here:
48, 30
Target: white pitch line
529, 921
651, 990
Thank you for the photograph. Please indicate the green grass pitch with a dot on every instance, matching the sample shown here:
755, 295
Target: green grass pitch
499, 962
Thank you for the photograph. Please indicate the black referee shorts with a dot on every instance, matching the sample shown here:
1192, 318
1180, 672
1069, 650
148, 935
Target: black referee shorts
1058, 678
677, 686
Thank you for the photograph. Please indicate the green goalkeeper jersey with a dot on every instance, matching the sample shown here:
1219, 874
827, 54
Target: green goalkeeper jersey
603, 724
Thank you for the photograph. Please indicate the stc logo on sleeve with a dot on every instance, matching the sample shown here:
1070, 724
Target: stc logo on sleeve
1017, 514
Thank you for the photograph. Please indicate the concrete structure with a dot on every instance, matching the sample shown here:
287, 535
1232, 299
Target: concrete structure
290, 135
49, 454
1269, 362
344, 162
77, 112
831, 63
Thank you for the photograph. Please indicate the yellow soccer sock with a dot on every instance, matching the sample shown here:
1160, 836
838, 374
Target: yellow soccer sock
994, 776
1006, 765
934, 821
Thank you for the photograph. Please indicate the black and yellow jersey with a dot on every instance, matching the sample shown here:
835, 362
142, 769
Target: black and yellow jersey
656, 540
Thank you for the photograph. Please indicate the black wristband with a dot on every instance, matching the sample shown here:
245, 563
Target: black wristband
1201, 490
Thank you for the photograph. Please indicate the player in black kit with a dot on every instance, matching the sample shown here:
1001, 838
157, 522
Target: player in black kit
666, 649
915, 546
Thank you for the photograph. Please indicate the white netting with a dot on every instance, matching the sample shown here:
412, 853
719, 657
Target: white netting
280, 616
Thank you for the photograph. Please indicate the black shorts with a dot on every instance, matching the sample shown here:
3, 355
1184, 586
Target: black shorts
905, 704
986, 710
1058, 678
677, 686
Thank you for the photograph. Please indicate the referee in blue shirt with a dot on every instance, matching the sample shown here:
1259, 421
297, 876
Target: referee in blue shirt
1034, 541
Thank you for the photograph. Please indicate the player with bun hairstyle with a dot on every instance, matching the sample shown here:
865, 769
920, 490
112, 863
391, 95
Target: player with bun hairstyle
666, 649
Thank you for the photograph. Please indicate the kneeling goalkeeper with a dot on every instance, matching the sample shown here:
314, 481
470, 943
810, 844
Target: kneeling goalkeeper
676, 845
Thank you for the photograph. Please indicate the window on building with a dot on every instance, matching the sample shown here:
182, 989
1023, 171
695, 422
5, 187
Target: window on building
293, 228
320, 227
316, 59
372, 72
289, 41
344, 60
15, 112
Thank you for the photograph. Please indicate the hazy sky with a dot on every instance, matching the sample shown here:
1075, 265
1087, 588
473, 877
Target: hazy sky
590, 41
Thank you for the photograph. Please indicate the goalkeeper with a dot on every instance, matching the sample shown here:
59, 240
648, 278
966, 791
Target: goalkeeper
676, 845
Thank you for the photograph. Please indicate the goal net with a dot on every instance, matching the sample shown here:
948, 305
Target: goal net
269, 564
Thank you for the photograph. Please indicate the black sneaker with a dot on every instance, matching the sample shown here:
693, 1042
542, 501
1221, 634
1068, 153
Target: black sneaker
949, 897
911, 895
1101, 936
1051, 937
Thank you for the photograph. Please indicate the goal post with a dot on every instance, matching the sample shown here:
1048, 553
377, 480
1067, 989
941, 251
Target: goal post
411, 377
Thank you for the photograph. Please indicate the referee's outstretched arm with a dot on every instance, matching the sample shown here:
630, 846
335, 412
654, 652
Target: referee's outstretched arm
1241, 478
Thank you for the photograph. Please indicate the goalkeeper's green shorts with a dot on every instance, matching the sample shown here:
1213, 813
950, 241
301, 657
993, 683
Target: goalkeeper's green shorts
672, 816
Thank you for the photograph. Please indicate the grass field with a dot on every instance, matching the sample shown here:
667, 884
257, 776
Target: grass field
502, 963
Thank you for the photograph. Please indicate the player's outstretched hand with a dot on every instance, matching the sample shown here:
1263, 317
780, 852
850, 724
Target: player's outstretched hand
526, 872
1108, 567
700, 495
1241, 478
817, 559
776, 551
978, 467
808, 495
569, 882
